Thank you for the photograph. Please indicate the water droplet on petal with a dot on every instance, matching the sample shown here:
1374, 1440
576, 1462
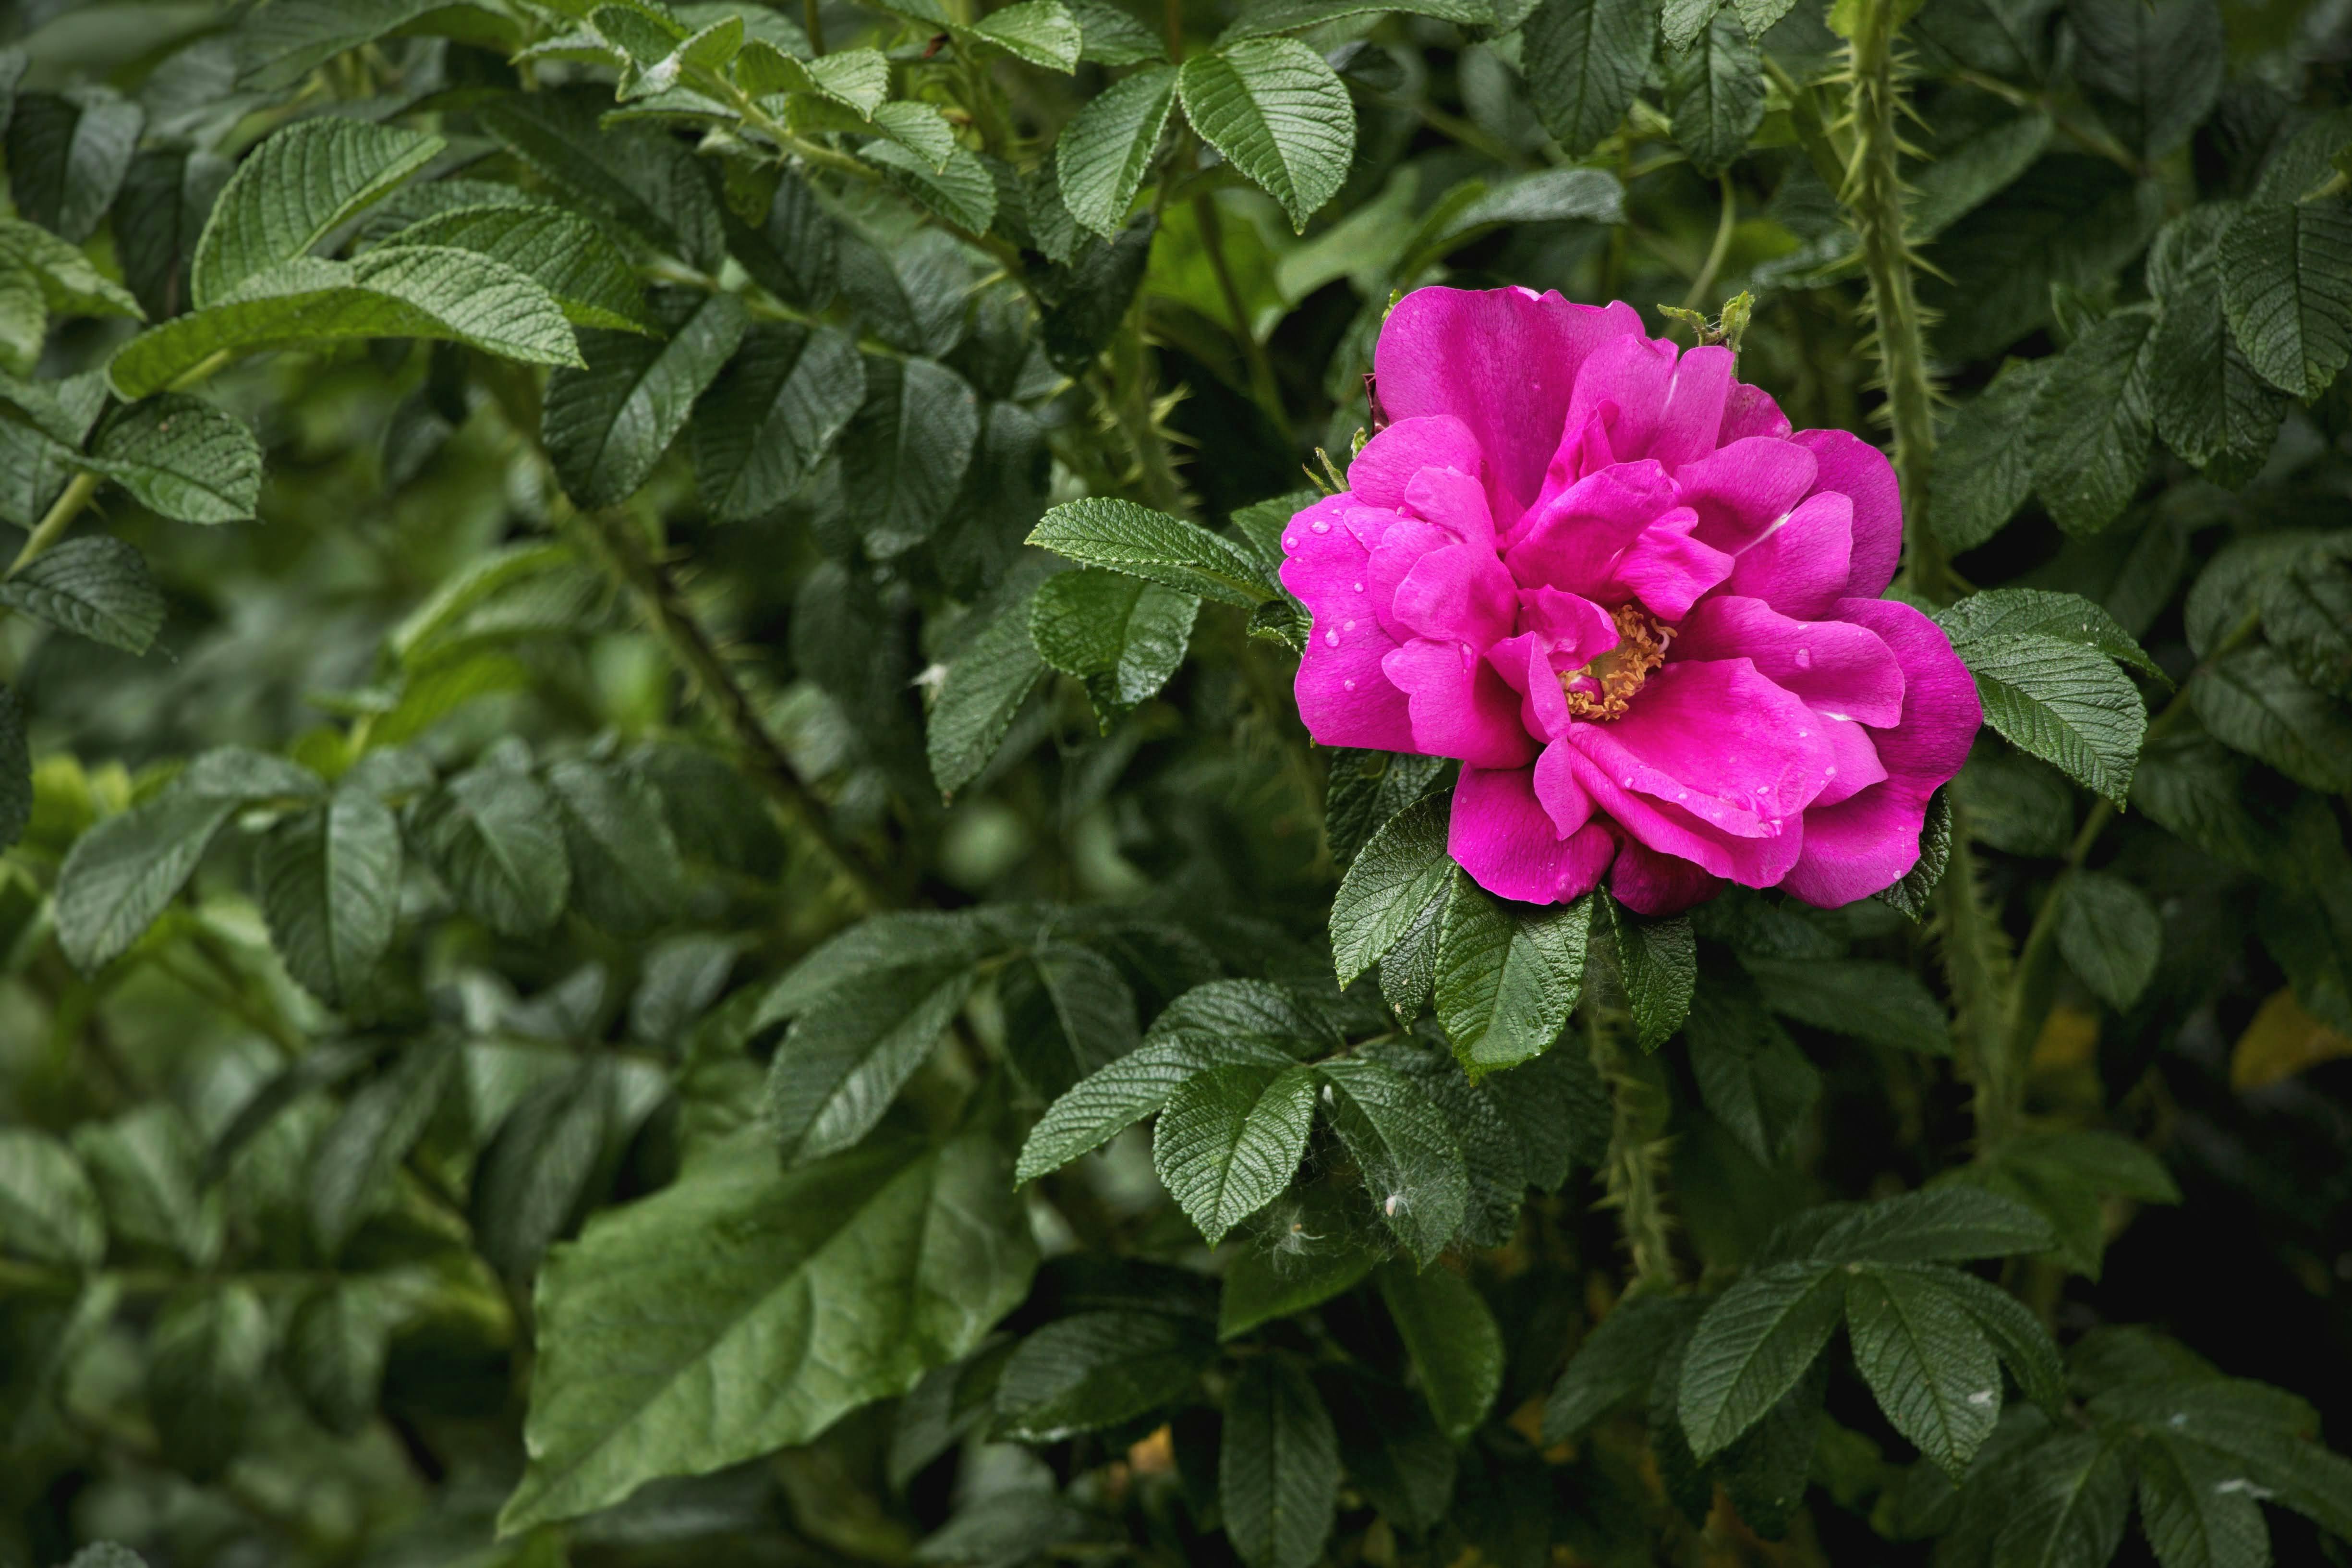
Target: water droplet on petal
1629, 780
1360, 588
1349, 684
1830, 772
1804, 659
1347, 626
1290, 542
1331, 638
1320, 525
1803, 733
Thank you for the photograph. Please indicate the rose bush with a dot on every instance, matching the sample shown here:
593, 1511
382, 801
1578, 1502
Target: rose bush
1642, 612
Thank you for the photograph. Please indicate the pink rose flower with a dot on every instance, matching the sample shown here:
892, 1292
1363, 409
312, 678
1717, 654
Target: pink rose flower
1644, 614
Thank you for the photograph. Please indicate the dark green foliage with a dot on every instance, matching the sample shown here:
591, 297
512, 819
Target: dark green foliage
663, 900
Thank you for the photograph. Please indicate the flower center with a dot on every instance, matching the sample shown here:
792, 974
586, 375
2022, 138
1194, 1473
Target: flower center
1604, 689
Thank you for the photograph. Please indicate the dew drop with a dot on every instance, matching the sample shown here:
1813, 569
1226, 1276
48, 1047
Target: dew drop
1291, 542
1803, 733
1830, 772
1629, 780
1360, 588
1347, 626
1349, 684
1320, 525
1331, 638
1804, 659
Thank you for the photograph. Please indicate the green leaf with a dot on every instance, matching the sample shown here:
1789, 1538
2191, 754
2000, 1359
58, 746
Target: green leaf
123, 873
1230, 1139
2153, 70
539, 1164
493, 836
205, 1362
96, 587
1395, 877
2016, 1335
624, 865
962, 191
1113, 37
2017, 804
1984, 467
353, 1162
2091, 422
1366, 789
905, 452
1657, 962
2253, 700
67, 155
1391, 1451
1716, 94
1122, 635
1752, 1075
773, 415
403, 291
1455, 1346
284, 41
2210, 405
1068, 1012
2307, 614
337, 1342
2065, 703
1412, 1162
845, 1058
2111, 935
1507, 975
1680, 22
1042, 32
1279, 114
1909, 895
2196, 1508
1881, 1003
330, 886
1299, 1267
1929, 1366
2070, 219
564, 253
2065, 1177
1617, 1360
1277, 1467
1755, 1341
2286, 289
182, 457
1967, 171
299, 187
1096, 1370
1950, 1223
144, 1165
1104, 153
1409, 968
641, 175
1264, 19
1123, 537
984, 686
1123, 1092
2067, 1507
650, 1320
70, 284
2069, 617
48, 1210
158, 215
607, 423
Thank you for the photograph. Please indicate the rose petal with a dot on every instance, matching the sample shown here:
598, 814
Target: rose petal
1800, 568
1717, 740
1667, 569
1693, 412
1632, 376
1344, 698
1857, 765
1853, 468
1454, 500
1649, 882
1380, 473
1833, 666
1459, 705
1575, 542
1504, 361
1742, 490
1512, 846
1460, 593
1750, 411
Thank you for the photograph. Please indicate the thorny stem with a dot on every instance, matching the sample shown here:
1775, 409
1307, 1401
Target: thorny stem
1874, 195
1635, 1166
1976, 967
618, 547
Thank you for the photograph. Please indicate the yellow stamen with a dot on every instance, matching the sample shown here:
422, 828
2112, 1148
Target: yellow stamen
1603, 690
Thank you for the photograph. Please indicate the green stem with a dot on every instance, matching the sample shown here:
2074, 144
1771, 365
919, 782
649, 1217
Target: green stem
813, 23
56, 520
617, 546
1263, 386
1976, 967
1874, 196
1634, 1169
1721, 248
